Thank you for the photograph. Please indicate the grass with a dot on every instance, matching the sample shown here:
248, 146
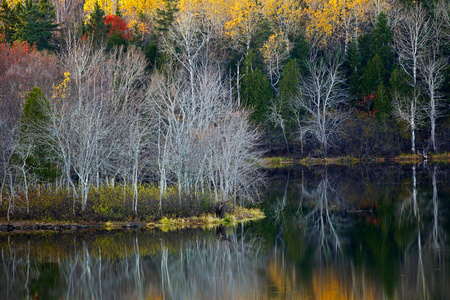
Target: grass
344, 160
408, 158
112, 207
441, 157
241, 215
404, 158
277, 162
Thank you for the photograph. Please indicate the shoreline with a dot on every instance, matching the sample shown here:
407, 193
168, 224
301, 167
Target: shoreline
289, 161
166, 223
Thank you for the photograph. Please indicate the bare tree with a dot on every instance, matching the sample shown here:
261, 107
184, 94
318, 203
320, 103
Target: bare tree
432, 69
321, 98
411, 37
408, 109
205, 145
187, 42
94, 116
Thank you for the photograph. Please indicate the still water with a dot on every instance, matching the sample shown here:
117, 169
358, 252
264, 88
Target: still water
364, 232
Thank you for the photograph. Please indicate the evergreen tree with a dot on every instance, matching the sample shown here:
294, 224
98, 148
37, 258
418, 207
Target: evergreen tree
36, 23
382, 103
300, 52
255, 89
373, 75
289, 84
8, 19
95, 26
353, 67
398, 82
381, 43
165, 17
290, 80
34, 130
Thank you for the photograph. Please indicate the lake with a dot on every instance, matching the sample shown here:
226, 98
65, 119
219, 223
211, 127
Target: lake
362, 232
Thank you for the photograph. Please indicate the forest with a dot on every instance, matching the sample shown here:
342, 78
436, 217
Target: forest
106, 106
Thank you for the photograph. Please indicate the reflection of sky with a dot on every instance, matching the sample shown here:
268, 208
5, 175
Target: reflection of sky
314, 244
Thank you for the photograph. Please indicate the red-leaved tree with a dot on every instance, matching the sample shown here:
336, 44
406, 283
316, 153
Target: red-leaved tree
117, 24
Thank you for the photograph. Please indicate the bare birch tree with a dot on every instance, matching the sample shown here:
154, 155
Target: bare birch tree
321, 98
432, 71
95, 114
205, 145
411, 37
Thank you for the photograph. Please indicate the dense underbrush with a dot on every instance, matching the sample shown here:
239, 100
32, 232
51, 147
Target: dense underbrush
106, 203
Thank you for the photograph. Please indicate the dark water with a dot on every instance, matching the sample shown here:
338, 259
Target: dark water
366, 232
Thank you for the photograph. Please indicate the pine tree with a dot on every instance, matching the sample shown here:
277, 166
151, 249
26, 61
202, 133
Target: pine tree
373, 75
95, 26
255, 88
289, 83
36, 23
8, 19
165, 17
353, 66
34, 130
381, 43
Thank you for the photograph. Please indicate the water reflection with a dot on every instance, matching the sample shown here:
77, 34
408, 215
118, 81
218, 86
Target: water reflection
183, 265
344, 249
330, 233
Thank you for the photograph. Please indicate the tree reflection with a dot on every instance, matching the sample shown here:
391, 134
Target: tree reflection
224, 266
322, 219
98, 277
223, 269
424, 254
319, 241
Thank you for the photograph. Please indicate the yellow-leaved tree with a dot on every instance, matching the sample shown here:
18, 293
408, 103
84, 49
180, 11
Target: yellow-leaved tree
284, 16
333, 22
138, 13
245, 16
275, 53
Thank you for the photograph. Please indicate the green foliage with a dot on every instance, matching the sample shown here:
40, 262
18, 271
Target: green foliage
29, 21
8, 22
256, 91
382, 103
300, 52
262, 34
398, 82
290, 79
353, 66
165, 17
381, 43
34, 126
117, 40
152, 56
373, 75
95, 26
289, 83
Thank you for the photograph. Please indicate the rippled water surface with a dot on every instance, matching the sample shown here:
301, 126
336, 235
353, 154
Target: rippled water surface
364, 232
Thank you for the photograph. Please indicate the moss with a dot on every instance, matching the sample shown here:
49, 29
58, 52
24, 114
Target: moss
277, 162
409, 158
344, 160
241, 215
441, 157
